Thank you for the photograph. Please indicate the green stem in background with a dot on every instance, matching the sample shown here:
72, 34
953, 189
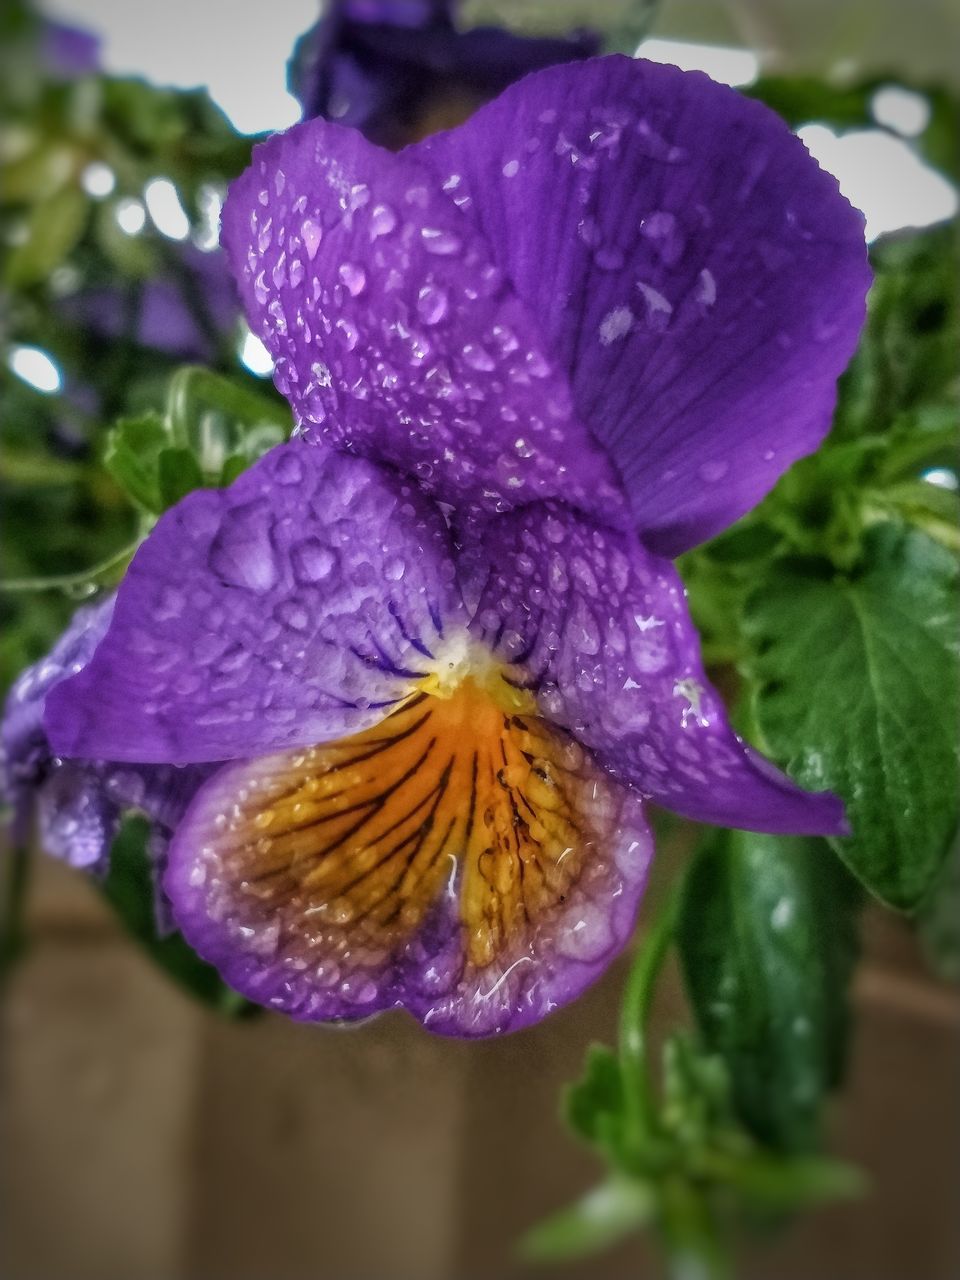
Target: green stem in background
694, 1247
687, 1227
79, 584
634, 1012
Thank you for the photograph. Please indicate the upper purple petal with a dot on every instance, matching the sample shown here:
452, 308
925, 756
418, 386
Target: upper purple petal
284, 610
696, 274
394, 333
601, 629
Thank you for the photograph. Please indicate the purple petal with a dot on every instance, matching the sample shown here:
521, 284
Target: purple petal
393, 333
471, 866
697, 275
79, 804
601, 631
284, 610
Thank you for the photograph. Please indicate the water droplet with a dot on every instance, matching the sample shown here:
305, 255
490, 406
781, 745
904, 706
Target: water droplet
659, 309
616, 324
511, 168
292, 614
170, 603
660, 227
431, 304
312, 561
478, 357
354, 277
439, 242
713, 470
394, 569
312, 235
382, 221
348, 332
706, 288
241, 553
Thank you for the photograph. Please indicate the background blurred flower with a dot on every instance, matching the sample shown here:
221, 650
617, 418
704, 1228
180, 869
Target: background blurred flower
400, 69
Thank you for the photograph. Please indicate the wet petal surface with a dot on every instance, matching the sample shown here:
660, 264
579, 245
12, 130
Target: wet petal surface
393, 329
287, 609
600, 630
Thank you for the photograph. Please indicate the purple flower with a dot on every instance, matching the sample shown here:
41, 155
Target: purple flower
161, 318
79, 803
67, 52
399, 69
442, 650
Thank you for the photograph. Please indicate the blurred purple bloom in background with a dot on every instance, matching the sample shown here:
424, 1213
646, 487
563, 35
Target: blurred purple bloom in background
67, 51
162, 318
400, 69
441, 649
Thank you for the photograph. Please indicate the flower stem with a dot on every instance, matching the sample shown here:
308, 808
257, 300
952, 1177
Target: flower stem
76, 584
640, 1104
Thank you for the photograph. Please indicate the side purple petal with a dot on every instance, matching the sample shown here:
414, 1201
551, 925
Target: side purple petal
287, 609
600, 629
699, 278
79, 803
394, 334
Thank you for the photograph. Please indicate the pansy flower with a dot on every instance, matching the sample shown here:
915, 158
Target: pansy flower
400, 69
437, 640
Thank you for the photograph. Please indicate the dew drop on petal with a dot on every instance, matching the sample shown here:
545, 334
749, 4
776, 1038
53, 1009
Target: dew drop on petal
616, 324
431, 304
478, 357
440, 242
382, 221
312, 561
354, 277
311, 233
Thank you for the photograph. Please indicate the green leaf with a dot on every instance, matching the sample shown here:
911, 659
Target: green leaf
594, 1105
132, 457
178, 473
602, 1218
129, 888
857, 692
53, 229
777, 1184
766, 936
907, 355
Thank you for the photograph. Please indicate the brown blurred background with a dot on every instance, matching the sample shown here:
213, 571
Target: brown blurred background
143, 1139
